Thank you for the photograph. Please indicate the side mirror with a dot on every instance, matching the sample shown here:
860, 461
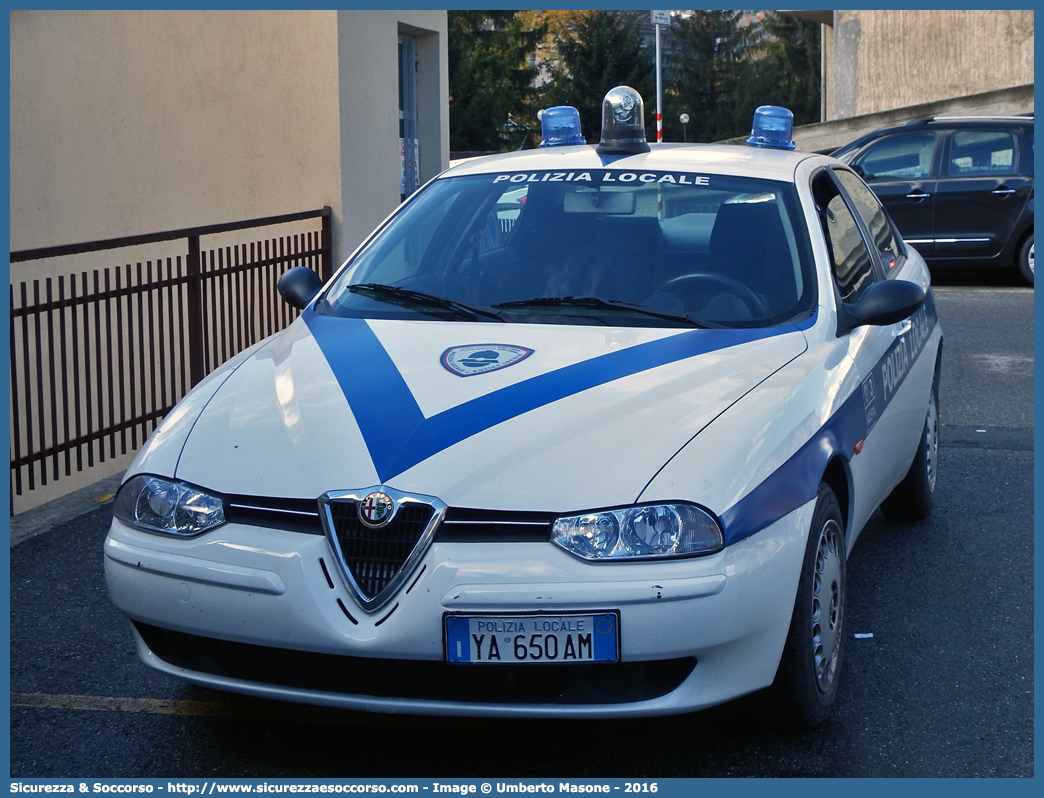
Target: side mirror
886, 302
298, 286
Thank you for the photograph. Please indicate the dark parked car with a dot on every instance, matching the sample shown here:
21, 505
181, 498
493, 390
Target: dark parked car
960, 189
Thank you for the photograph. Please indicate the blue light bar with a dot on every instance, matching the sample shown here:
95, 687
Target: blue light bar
773, 127
560, 126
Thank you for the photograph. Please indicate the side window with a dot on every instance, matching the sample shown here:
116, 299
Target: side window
904, 157
981, 153
851, 262
874, 217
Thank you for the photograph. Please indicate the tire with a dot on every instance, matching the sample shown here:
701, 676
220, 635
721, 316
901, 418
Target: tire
1025, 260
911, 500
805, 686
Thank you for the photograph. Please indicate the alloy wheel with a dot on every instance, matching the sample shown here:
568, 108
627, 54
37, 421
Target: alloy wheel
828, 604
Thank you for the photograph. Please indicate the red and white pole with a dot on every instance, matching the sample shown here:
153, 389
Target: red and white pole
659, 91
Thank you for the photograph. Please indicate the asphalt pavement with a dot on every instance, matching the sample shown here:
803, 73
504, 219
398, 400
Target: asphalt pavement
66, 508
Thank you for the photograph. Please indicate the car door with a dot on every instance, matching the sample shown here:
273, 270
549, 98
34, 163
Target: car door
980, 194
899, 170
881, 355
908, 402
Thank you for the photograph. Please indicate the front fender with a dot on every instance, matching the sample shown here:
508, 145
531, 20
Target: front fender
766, 455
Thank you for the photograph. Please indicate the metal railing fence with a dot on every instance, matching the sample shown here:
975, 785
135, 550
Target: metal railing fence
98, 359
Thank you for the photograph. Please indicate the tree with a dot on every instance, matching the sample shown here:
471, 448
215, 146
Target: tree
556, 25
596, 51
727, 63
789, 72
492, 79
711, 76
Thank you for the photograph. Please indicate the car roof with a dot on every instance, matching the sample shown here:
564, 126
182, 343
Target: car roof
723, 159
951, 122
961, 121
942, 122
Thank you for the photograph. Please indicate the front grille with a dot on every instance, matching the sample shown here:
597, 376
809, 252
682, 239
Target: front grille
375, 557
460, 525
290, 515
596, 683
465, 525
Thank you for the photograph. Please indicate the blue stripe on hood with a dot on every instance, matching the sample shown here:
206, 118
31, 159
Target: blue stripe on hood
397, 434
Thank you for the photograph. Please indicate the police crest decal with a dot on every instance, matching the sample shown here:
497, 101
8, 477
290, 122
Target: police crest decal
467, 361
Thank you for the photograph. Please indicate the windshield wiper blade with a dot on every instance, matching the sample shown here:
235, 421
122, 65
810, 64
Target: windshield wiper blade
598, 303
424, 299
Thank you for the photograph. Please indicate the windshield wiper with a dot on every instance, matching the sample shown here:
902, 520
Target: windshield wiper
597, 303
462, 310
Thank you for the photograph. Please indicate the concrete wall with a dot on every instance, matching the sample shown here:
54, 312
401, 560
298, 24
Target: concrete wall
828, 136
882, 60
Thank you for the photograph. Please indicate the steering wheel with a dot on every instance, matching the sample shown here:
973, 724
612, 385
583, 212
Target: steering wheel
686, 286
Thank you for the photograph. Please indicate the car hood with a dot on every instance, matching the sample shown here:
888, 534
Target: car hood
581, 417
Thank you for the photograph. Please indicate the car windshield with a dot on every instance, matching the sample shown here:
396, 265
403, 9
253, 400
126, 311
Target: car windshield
597, 247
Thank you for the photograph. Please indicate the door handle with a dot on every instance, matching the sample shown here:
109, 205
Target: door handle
902, 328
1004, 191
917, 196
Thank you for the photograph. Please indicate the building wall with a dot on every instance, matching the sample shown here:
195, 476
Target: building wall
881, 60
132, 122
369, 114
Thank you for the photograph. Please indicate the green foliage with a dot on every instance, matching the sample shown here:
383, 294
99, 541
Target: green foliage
721, 66
727, 64
711, 76
491, 79
604, 50
789, 73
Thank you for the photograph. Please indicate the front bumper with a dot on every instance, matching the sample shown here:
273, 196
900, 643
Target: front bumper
694, 632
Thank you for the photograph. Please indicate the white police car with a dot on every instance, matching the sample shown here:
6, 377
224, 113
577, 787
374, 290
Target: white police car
579, 431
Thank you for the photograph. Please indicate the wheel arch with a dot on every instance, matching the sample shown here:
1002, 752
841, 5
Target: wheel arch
1022, 239
838, 477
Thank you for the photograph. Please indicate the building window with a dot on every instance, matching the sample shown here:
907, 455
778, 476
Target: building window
409, 156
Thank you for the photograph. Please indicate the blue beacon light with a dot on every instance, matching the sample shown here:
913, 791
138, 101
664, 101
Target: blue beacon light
773, 127
560, 126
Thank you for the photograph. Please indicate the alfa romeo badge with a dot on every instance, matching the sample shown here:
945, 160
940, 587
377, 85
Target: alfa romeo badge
376, 509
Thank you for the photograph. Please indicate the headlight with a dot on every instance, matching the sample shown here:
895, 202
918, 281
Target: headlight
652, 531
173, 508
